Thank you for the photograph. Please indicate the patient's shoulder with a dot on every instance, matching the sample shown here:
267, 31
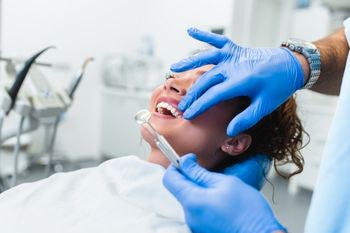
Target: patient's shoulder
131, 166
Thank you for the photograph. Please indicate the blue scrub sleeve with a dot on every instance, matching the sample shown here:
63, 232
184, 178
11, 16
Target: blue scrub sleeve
330, 206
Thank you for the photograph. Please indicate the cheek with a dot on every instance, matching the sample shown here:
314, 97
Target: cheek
206, 133
155, 94
147, 137
200, 136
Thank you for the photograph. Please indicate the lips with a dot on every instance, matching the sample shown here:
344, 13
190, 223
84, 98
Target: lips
167, 107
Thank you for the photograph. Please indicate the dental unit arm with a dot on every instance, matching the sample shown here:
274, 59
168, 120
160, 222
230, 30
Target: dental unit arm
8, 99
38, 103
11, 61
70, 92
142, 117
21, 75
77, 78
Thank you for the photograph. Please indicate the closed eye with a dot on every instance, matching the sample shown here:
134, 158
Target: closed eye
169, 76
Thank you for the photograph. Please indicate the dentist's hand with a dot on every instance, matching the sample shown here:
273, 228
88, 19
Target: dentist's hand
218, 203
251, 171
268, 76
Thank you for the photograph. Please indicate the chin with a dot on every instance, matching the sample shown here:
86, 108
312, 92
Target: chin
147, 137
158, 158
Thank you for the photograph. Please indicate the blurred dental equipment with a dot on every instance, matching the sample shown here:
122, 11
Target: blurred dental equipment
12, 62
8, 100
142, 117
38, 103
13, 91
339, 11
70, 92
77, 78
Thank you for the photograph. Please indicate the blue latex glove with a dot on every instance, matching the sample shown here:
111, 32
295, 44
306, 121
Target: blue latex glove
218, 203
268, 76
251, 171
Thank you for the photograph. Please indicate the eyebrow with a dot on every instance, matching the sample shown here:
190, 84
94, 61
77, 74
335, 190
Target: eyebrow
174, 75
171, 75
201, 72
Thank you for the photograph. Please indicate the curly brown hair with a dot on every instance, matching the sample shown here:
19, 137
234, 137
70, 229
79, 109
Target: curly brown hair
279, 135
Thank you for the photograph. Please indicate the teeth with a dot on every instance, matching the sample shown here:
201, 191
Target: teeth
164, 105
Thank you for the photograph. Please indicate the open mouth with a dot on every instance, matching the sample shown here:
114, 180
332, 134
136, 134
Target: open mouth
165, 108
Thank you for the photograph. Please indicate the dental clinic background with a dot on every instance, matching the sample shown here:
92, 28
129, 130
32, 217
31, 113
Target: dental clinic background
113, 30
100, 28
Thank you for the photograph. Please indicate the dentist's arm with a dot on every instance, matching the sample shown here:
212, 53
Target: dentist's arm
218, 203
334, 50
268, 76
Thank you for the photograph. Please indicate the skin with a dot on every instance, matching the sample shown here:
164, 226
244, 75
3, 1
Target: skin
204, 136
334, 50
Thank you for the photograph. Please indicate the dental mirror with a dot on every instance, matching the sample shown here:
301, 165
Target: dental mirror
142, 116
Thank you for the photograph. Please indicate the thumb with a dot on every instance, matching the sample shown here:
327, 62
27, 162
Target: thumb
178, 184
246, 119
199, 175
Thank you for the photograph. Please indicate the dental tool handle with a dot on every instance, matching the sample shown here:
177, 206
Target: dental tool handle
13, 92
76, 80
74, 84
167, 150
16, 152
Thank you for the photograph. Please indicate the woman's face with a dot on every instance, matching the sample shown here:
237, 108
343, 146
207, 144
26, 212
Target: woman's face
203, 135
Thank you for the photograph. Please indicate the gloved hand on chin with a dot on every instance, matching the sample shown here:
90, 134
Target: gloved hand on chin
219, 203
268, 76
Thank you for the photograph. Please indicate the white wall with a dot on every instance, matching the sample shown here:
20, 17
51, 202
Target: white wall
311, 23
82, 28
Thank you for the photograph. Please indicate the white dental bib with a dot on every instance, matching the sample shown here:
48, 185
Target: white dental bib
121, 195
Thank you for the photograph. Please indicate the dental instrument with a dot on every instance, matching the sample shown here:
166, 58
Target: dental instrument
142, 117
77, 78
48, 104
70, 91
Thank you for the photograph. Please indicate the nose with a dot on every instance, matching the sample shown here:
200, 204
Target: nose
174, 85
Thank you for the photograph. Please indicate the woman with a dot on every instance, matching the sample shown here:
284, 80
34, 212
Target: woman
278, 135
126, 194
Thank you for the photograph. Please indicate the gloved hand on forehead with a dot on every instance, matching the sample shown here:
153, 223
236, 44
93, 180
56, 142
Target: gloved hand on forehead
268, 76
215, 202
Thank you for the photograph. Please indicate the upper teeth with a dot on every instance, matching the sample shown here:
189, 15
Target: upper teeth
173, 110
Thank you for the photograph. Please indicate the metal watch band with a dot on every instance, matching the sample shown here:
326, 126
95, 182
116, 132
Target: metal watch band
312, 55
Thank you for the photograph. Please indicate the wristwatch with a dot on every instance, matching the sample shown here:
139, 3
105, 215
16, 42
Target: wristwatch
312, 55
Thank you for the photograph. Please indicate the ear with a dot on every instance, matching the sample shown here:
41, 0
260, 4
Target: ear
237, 145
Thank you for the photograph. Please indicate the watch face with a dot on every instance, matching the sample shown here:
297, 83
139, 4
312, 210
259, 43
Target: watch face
302, 43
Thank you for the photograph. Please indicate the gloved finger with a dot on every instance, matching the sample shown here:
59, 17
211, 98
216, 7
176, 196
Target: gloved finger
246, 119
251, 171
206, 81
213, 39
211, 97
199, 175
195, 61
178, 184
